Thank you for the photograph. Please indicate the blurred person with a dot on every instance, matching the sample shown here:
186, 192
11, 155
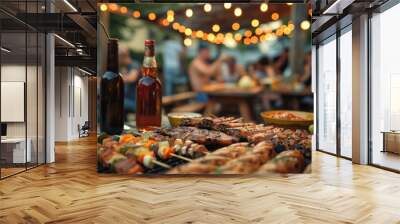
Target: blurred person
307, 102
231, 71
305, 78
264, 69
130, 71
281, 63
201, 72
173, 53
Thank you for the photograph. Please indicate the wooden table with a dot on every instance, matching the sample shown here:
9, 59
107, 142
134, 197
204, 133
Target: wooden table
290, 97
232, 96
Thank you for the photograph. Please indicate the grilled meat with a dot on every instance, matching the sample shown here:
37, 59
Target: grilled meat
250, 161
291, 161
210, 162
200, 136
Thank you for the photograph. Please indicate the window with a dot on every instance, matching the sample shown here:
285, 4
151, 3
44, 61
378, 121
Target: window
385, 89
327, 96
346, 93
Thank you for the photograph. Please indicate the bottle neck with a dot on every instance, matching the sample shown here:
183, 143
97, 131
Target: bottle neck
149, 60
112, 57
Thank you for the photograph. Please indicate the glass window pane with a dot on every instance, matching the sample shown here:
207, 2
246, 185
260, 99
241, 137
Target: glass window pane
13, 85
327, 96
346, 94
385, 88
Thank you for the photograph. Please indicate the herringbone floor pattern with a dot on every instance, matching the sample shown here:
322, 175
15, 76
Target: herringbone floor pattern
70, 191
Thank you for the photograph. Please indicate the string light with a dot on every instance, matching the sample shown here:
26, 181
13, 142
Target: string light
265, 34
238, 12
136, 14
275, 16
227, 5
248, 33
175, 26
259, 31
113, 7
235, 26
164, 22
216, 28
170, 18
188, 31
103, 7
305, 25
254, 39
211, 37
264, 7
238, 37
189, 13
170, 13
124, 10
255, 23
152, 16
199, 34
187, 42
207, 7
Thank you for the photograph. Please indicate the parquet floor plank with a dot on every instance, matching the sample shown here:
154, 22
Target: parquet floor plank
70, 191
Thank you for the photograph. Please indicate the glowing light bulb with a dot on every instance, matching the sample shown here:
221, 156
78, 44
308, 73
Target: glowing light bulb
305, 25
275, 16
123, 10
255, 23
152, 16
170, 13
187, 42
264, 7
227, 5
216, 27
207, 7
235, 26
188, 31
238, 12
199, 34
189, 13
136, 14
103, 7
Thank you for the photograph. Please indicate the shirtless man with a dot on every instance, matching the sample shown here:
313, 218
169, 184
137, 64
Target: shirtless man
200, 71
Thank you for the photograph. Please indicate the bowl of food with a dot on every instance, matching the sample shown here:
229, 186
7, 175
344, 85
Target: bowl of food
176, 118
288, 118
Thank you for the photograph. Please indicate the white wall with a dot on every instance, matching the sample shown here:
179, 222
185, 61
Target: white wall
71, 102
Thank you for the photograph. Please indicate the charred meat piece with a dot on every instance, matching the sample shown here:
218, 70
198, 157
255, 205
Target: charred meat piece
291, 161
200, 136
212, 161
250, 161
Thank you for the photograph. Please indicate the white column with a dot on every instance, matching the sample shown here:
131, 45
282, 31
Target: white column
360, 90
50, 100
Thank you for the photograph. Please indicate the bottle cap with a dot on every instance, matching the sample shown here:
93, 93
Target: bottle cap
149, 42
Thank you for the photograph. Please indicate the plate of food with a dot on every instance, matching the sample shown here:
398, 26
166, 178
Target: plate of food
288, 118
176, 118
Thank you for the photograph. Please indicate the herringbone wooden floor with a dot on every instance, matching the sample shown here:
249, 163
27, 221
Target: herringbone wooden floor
70, 191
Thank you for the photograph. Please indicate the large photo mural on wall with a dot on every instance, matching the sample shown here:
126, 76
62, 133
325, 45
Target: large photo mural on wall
190, 88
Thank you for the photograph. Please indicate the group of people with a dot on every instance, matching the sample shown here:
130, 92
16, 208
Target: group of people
202, 70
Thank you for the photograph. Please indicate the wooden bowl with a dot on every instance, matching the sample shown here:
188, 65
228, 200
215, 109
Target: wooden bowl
307, 118
176, 118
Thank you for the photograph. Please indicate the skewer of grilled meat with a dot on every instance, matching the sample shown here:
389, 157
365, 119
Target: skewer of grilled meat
291, 161
211, 161
117, 162
249, 162
200, 136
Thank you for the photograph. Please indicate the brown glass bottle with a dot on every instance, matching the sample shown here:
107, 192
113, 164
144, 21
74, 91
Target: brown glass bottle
112, 94
148, 92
